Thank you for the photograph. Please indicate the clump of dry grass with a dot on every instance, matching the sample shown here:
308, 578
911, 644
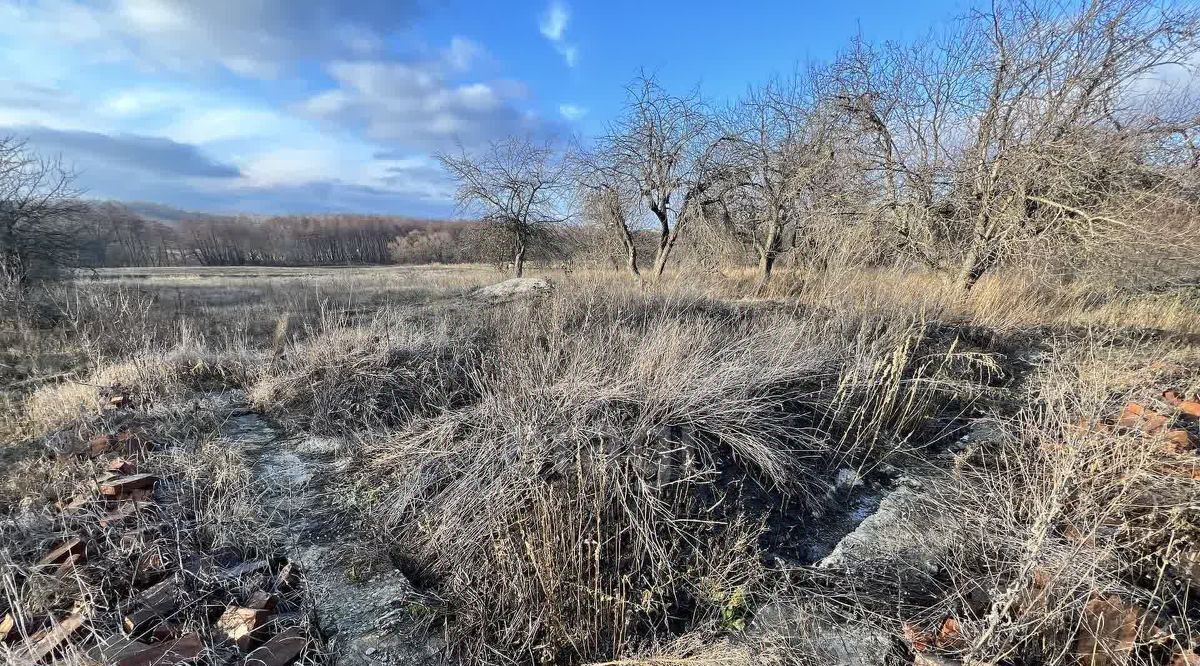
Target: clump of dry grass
148, 377
590, 502
378, 374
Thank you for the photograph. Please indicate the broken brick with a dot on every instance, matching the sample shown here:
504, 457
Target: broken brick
949, 636
152, 605
177, 651
1180, 441
1189, 409
236, 624
918, 639
263, 601
1108, 632
64, 552
1137, 416
122, 466
47, 640
125, 485
282, 649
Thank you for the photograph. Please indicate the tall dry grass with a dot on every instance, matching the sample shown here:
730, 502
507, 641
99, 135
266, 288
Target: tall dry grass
597, 496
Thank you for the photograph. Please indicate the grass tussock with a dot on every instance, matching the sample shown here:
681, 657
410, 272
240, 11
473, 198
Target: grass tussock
376, 375
149, 377
595, 498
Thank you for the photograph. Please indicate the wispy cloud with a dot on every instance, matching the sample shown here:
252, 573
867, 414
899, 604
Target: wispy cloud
553, 26
572, 111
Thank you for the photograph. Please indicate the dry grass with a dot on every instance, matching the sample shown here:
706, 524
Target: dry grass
600, 476
377, 374
149, 377
1059, 517
596, 497
1004, 301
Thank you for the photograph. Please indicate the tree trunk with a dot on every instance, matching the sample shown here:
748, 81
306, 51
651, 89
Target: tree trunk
766, 262
975, 264
666, 243
519, 261
664, 253
631, 258
768, 251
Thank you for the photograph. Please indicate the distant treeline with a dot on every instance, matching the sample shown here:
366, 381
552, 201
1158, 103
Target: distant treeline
117, 236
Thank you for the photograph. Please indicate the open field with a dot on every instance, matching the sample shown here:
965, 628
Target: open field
577, 469
332, 335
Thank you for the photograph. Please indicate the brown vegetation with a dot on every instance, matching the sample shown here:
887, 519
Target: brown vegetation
913, 379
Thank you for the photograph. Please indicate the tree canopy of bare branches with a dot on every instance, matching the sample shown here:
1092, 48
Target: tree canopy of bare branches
39, 207
654, 154
1029, 122
515, 187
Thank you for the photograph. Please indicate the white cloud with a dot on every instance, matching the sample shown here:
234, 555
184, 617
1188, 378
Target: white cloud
259, 38
415, 104
462, 53
225, 123
554, 21
289, 166
136, 102
572, 111
553, 26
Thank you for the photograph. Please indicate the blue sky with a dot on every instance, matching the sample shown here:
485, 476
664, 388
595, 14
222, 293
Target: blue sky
272, 106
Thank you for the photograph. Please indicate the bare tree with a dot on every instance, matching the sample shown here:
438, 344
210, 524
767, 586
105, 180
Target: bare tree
38, 210
515, 186
656, 151
1026, 124
778, 173
609, 204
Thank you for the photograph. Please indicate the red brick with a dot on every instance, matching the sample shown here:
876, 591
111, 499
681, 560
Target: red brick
1137, 416
282, 649
122, 466
182, 649
126, 484
71, 547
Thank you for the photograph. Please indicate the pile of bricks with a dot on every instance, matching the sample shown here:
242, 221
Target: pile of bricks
236, 611
1172, 427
